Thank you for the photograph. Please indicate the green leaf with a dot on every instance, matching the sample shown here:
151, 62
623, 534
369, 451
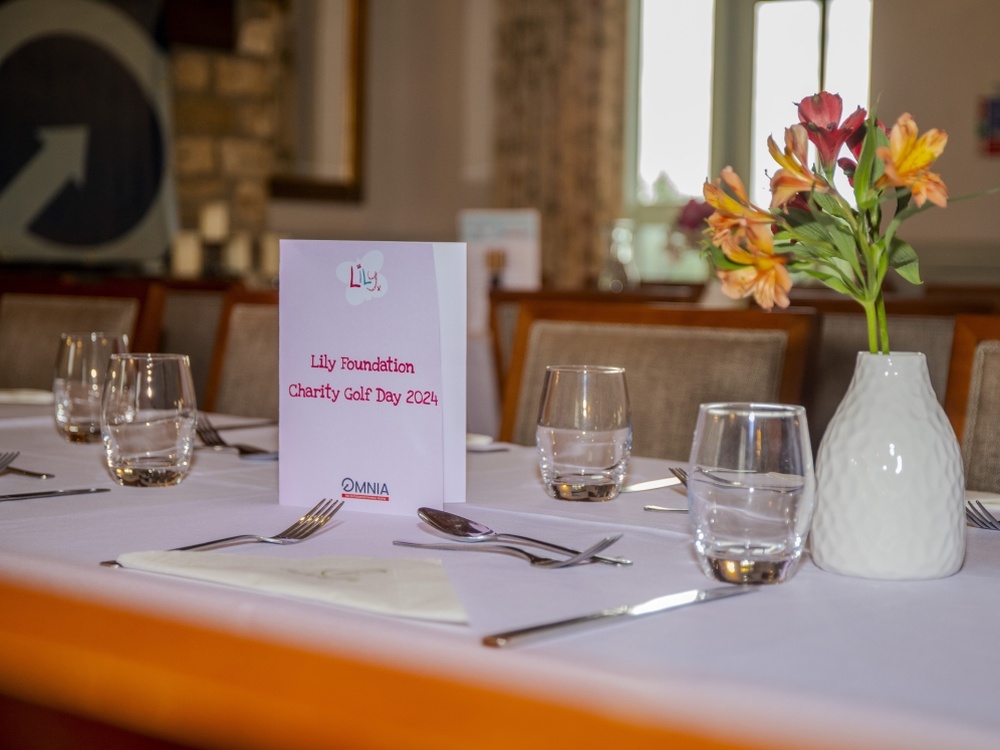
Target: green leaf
863, 172
720, 260
831, 281
828, 203
903, 258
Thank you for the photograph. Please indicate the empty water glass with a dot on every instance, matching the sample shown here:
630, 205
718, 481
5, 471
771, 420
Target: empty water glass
584, 432
751, 490
148, 419
78, 382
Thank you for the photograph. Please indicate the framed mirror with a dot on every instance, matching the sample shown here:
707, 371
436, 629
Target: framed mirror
322, 114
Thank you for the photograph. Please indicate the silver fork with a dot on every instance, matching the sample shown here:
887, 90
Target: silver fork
299, 531
977, 515
506, 549
211, 437
7, 458
314, 519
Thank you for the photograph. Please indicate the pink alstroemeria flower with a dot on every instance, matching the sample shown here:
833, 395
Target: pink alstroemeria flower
820, 114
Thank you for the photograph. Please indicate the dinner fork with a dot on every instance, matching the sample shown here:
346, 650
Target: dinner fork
211, 437
305, 527
7, 458
977, 514
314, 519
505, 549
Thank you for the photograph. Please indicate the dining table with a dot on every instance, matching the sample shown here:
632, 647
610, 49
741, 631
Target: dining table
820, 661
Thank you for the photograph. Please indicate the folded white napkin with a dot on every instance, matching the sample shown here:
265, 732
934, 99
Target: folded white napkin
25, 396
482, 444
390, 586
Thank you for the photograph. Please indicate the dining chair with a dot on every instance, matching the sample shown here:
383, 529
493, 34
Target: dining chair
506, 303
675, 358
973, 398
31, 322
191, 313
243, 376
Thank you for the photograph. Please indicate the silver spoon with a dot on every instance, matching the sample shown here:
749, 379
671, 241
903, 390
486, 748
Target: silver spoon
470, 531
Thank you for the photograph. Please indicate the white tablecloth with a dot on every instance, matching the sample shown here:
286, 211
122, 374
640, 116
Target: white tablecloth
821, 661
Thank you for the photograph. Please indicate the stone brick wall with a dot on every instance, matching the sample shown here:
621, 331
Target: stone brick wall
226, 117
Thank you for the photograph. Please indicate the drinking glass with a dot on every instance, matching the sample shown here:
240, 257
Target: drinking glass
584, 432
78, 382
148, 417
751, 490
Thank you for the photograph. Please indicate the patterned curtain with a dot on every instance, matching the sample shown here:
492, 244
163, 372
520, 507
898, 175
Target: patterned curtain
560, 110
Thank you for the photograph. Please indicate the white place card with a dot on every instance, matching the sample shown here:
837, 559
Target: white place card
504, 247
372, 374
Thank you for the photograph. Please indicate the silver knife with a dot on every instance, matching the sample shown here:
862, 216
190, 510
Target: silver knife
653, 484
659, 604
53, 493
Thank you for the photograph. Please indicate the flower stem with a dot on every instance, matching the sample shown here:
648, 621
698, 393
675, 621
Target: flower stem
883, 322
872, 317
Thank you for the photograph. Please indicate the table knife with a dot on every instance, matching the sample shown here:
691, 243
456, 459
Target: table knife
53, 493
653, 484
659, 604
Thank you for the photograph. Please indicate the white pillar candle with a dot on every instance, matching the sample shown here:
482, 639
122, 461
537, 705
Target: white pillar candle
269, 255
214, 222
237, 255
185, 255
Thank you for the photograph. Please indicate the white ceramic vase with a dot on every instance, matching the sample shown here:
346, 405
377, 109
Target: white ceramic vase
889, 479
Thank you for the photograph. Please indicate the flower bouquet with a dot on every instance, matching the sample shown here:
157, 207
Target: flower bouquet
811, 228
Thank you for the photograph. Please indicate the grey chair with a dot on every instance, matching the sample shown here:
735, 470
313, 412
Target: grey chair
190, 326
674, 358
30, 325
505, 304
973, 398
243, 379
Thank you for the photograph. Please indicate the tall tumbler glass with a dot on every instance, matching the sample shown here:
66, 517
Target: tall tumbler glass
148, 418
78, 382
584, 432
751, 490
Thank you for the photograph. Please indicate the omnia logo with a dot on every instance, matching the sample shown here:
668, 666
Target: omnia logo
356, 490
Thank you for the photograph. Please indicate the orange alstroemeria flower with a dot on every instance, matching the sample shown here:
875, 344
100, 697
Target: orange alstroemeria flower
734, 213
767, 280
794, 177
763, 274
908, 158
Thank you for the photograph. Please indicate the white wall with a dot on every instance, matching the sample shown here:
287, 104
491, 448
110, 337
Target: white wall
428, 134
935, 59
427, 137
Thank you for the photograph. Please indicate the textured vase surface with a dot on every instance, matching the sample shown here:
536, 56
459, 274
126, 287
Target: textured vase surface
889, 478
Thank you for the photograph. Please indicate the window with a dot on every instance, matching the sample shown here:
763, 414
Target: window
713, 79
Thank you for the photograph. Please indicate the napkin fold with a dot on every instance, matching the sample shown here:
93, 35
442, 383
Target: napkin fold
390, 586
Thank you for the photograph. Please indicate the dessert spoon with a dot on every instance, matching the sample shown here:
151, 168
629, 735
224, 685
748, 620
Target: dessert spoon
470, 531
